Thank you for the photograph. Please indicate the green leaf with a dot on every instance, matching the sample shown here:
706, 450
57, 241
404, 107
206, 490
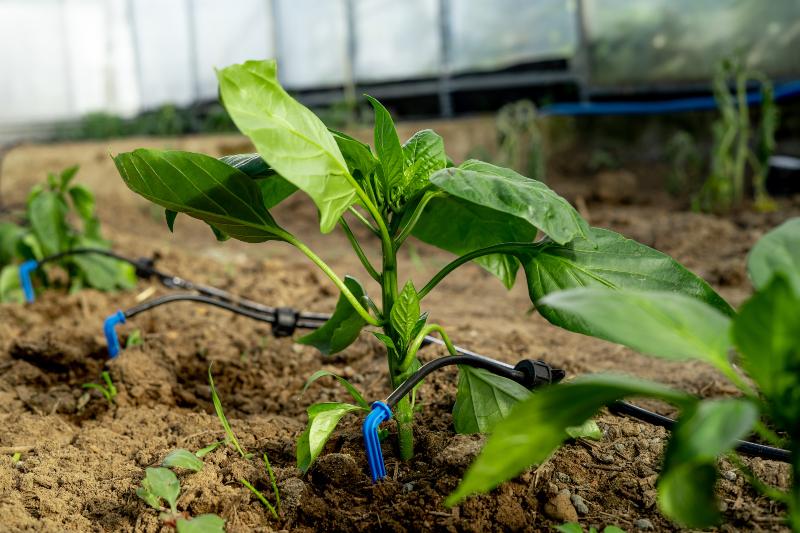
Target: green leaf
357, 155
204, 523
101, 272
67, 175
220, 235
666, 324
703, 433
587, 430
163, 484
506, 191
777, 252
483, 399
83, 200
149, 498
251, 164
405, 312
322, 420
10, 289
460, 227
47, 213
202, 452
537, 426
274, 188
229, 434
570, 527
390, 153
10, 235
766, 335
608, 260
288, 136
347, 385
170, 216
344, 325
424, 154
386, 340
182, 459
203, 188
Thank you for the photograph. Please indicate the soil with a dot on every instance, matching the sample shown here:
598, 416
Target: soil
83, 458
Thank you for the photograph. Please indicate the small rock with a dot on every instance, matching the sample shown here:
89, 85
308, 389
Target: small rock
337, 469
616, 186
408, 487
579, 504
643, 524
730, 475
460, 452
292, 492
563, 477
605, 458
560, 507
619, 447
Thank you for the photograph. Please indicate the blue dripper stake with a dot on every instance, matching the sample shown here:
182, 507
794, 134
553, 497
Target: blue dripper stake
25, 270
380, 413
109, 328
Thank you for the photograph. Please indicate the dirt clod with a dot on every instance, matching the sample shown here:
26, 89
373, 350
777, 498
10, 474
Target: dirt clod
461, 451
337, 469
560, 507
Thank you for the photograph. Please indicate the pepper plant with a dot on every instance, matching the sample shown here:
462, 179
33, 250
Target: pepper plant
478, 211
766, 336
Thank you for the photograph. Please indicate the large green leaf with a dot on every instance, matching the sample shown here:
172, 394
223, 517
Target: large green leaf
537, 426
47, 212
291, 138
767, 334
777, 252
274, 188
666, 324
424, 154
10, 234
703, 433
483, 399
343, 327
322, 420
405, 313
202, 187
390, 153
506, 191
461, 227
251, 164
608, 260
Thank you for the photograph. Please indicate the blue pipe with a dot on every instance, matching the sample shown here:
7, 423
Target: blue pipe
782, 91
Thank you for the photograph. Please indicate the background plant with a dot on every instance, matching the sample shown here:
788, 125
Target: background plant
674, 326
478, 211
48, 229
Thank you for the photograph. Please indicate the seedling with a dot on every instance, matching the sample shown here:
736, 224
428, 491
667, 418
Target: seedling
47, 231
478, 211
109, 390
764, 334
272, 508
230, 437
160, 485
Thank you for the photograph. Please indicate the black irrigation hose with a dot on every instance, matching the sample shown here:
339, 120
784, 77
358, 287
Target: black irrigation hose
745, 447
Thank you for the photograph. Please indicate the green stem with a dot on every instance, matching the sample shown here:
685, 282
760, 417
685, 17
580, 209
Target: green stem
291, 239
361, 218
511, 248
768, 435
415, 216
359, 251
413, 348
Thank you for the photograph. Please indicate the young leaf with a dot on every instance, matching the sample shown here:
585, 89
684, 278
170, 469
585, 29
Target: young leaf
608, 260
182, 459
10, 289
343, 327
506, 191
347, 385
357, 155
288, 136
667, 324
163, 484
703, 433
10, 234
386, 340
83, 200
322, 420
537, 426
766, 335
103, 273
204, 523
587, 430
405, 312
203, 188
483, 399
424, 155
202, 452
390, 153
777, 252
47, 212
569, 527
67, 175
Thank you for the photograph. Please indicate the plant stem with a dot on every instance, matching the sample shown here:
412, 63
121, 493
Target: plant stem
361, 218
359, 251
413, 348
409, 227
291, 239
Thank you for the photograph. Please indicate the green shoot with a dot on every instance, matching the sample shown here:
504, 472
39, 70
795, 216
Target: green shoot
230, 437
109, 391
202, 452
134, 339
260, 497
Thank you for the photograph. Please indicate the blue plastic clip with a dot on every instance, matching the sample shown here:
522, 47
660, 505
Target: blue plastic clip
380, 413
25, 270
111, 333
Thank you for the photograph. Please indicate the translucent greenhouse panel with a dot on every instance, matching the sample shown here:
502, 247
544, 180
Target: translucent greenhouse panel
35, 60
162, 40
226, 36
660, 41
396, 40
501, 33
311, 42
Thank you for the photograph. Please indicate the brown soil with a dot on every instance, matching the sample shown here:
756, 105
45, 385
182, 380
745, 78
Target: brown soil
82, 461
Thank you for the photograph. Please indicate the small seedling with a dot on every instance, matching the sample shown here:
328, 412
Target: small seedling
109, 390
764, 334
481, 212
230, 438
47, 231
134, 339
180, 458
273, 509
